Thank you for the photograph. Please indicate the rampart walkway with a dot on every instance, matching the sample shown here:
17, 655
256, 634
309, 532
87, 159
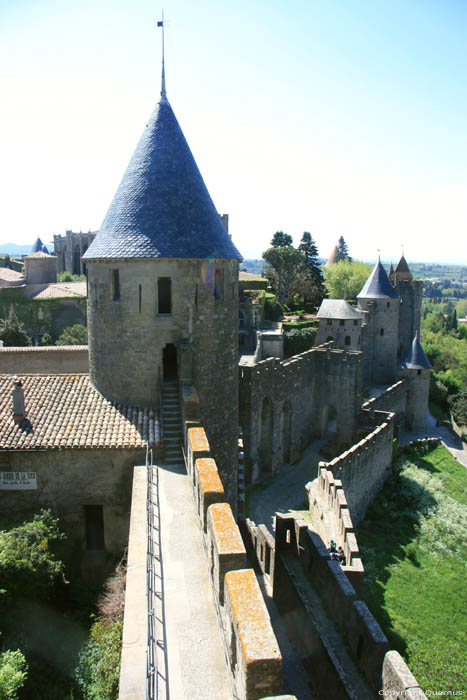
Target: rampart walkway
196, 665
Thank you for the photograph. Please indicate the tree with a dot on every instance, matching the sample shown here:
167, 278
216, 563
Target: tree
345, 279
13, 333
74, 335
342, 251
310, 282
281, 239
284, 265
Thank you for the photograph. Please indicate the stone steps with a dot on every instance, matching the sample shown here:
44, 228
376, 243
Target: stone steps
171, 423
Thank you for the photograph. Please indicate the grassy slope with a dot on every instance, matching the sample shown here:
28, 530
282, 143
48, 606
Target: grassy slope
413, 541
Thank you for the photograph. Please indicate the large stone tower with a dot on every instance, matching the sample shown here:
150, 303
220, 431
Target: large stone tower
410, 294
415, 369
380, 331
163, 289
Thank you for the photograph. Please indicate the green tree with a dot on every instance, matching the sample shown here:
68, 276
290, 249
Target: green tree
28, 567
309, 284
284, 265
281, 239
345, 279
13, 332
342, 251
13, 672
74, 335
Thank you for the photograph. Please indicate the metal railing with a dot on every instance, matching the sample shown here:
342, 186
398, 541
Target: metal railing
157, 676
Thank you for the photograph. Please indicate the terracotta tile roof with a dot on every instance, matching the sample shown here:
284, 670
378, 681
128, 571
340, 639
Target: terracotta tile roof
63, 411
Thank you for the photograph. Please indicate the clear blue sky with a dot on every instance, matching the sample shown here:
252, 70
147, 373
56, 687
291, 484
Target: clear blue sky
337, 117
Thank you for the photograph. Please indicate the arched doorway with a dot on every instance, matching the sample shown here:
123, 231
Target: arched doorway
286, 422
265, 439
169, 362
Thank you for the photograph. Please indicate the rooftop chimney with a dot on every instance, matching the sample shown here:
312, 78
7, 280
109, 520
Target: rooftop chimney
18, 400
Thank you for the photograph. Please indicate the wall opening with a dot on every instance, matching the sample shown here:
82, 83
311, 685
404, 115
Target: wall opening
115, 285
347, 340
328, 420
140, 298
286, 423
94, 524
219, 283
76, 261
265, 442
164, 300
169, 362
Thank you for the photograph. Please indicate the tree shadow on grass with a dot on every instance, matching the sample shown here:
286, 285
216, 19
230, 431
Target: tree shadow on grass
387, 536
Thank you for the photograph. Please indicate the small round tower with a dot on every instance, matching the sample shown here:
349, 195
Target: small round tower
380, 333
163, 289
416, 371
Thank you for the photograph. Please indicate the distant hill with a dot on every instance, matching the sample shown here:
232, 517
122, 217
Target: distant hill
14, 249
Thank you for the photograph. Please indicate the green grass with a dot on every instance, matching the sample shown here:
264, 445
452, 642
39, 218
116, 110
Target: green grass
413, 543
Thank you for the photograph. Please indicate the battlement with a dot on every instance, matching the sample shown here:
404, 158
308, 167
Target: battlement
392, 399
363, 468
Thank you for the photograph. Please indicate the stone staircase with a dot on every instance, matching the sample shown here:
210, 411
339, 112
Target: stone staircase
171, 423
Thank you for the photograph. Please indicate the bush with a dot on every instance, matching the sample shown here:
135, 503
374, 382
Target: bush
13, 672
98, 670
28, 568
13, 333
298, 340
273, 311
75, 335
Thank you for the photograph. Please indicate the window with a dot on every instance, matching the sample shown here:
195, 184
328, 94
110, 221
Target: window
94, 523
329, 321
219, 283
347, 340
355, 323
140, 298
341, 322
196, 296
381, 331
388, 304
164, 295
419, 371
115, 285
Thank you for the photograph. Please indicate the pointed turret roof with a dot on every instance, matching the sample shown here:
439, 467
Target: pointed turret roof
39, 247
378, 285
416, 359
332, 258
402, 271
162, 208
391, 270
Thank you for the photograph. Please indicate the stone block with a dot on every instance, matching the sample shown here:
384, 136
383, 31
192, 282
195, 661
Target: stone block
226, 550
197, 446
209, 488
398, 679
255, 658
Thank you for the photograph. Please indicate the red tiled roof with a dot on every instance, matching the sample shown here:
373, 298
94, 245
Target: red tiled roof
65, 411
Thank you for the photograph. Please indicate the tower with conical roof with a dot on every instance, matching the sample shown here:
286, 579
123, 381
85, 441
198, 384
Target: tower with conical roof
380, 303
415, 369
409, 291
163, 289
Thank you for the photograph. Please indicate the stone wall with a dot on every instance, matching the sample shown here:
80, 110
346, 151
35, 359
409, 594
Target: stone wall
69, 480
393, 400
253, 655
199, 331
53, 359
363, 469
342, 647
285, 405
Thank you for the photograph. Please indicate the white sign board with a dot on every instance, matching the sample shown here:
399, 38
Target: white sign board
17, 481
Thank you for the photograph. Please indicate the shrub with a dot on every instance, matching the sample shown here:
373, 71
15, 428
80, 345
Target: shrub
75, 335
273, 311
13, 672
298, 340
98, 670
13, 332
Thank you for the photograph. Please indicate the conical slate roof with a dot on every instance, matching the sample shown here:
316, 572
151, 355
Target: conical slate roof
162, 208
402, 270
416, 359
378, 285
391, 271
332, 258
39, 247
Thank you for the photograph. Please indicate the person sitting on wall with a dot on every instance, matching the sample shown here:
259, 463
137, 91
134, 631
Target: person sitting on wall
341, 556
333, 546
334, 556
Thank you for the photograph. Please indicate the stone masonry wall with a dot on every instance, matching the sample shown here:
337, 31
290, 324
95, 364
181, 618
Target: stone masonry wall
59, 359
363, 468
67, 480
393, 400
254, 658
303, 391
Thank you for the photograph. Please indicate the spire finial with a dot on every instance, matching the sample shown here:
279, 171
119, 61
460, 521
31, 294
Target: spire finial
379, 255
163, 90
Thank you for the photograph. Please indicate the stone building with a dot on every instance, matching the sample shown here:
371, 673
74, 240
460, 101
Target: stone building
70, 249
341, 323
